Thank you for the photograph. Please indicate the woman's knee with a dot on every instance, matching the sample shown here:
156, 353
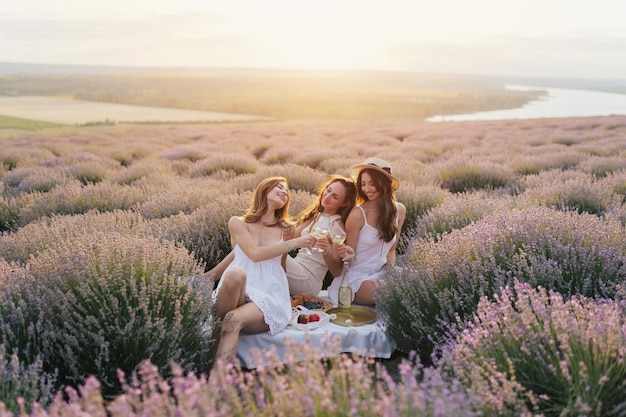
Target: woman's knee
234, 278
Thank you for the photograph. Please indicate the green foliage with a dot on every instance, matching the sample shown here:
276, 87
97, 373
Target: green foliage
425, 303
235, 163
205, 231
108, 302
96, 212
465, 175
9, 215
76, 198
580, 194
557, 350
7, 122
22, 372
28, 382
339, 96
418, 201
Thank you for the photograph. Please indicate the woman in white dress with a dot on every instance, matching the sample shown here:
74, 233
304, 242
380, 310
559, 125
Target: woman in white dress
307, 270
373, 229
253, 294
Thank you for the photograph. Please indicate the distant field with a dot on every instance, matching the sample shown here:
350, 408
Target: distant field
7, 122
279, 95
78, 112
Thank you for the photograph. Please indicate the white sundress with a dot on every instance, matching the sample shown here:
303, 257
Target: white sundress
267, 287
306, 272
371, 256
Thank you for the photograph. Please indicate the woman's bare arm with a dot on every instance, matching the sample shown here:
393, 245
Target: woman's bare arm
391, 255
241, 235
216, 272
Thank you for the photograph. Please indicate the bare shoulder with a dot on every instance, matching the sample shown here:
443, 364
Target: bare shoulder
355, 220
355, 214
357, 211
236, 221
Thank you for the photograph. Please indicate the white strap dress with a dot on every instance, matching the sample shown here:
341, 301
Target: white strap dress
371, 256
266, 287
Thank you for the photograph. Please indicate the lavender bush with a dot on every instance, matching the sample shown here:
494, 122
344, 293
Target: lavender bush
205, 231
9, 214
110, 301
616, 182
455, 213
183, 196
420, 200
41, 180
574, 254
238, 164
34, 238
570, 355
76, 198
22, 371
339, 386
462, 175
580, 194
545, 158
168, 184
602, 166
25, 384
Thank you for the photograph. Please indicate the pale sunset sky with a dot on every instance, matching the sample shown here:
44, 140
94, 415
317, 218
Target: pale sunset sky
554, 38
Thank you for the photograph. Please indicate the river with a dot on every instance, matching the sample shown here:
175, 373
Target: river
557, 102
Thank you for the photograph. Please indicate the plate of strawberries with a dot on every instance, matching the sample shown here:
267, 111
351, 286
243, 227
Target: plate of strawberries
304, 319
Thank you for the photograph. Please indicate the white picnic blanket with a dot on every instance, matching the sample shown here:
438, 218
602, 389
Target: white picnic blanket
367, 339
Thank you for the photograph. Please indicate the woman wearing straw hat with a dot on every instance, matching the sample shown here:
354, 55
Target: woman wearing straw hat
373, 229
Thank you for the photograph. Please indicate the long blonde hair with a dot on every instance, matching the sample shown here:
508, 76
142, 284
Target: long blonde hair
259, 205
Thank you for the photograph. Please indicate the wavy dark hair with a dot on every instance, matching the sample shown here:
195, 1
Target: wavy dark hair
316, 208
387, 203
259, 205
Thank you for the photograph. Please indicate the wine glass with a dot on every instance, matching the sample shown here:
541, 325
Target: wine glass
337, 234
319, 232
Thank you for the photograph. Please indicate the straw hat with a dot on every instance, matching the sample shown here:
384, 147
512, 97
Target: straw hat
376, 164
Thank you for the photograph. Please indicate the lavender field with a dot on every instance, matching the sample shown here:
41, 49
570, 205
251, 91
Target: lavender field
513, 253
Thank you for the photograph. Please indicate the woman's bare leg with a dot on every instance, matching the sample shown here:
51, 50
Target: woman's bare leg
246, 317
365, 294
232, 292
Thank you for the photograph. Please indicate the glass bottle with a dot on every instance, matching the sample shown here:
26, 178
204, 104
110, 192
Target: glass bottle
345, 291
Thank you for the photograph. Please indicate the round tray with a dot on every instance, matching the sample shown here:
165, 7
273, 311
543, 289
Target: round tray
357, 317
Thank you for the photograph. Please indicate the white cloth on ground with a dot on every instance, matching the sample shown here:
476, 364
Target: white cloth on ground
368, 339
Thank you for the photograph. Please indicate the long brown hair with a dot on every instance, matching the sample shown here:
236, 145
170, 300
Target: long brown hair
316, 207
387, 203
259, 205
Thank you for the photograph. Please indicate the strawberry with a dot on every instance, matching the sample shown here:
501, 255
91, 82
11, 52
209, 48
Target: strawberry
314, 317
303, 319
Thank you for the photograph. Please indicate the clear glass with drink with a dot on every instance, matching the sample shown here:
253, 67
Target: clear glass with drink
319, 230
337, 234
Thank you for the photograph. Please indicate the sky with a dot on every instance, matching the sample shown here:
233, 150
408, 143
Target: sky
544, 38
